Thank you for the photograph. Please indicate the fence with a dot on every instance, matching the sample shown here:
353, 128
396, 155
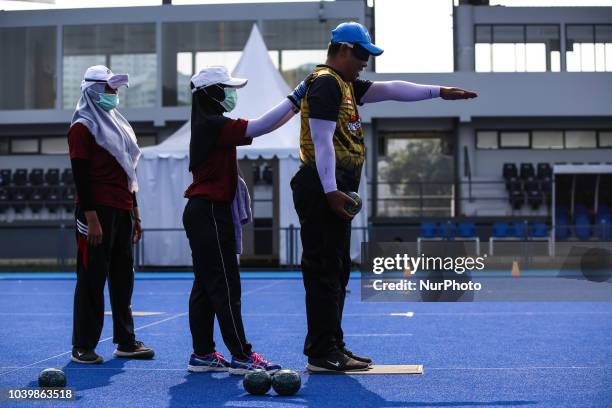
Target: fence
54, 246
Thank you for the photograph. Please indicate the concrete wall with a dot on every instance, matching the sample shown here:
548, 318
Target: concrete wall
44, 162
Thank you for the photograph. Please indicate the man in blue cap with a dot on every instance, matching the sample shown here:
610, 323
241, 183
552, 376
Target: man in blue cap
332, 153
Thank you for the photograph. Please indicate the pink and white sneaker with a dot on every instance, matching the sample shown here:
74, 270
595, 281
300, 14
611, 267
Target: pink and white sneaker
254, 362
209, 362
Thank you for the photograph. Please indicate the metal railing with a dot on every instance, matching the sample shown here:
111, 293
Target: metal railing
438, 198
53, 247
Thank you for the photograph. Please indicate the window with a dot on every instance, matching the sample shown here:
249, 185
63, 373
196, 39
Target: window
415, 177
542, 48
486, 140
508, 49
580, 139
298, 58
297, 64
517, 48
188, 46
193, 45
603, 48
53, 145
514, 139
21, 49
21, 145
605, 139
124, 48
589, 48
541, 139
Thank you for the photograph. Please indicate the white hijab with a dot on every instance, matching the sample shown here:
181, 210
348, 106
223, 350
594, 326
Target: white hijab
111, 130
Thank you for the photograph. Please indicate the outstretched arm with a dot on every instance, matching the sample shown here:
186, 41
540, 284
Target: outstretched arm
404, 91
271, 120
281, 113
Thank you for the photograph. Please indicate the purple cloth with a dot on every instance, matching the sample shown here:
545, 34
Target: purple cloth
241, 211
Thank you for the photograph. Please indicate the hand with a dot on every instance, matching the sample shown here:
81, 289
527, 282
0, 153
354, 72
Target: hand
338, 201
94, 229
300, 90
456, 93
137, 231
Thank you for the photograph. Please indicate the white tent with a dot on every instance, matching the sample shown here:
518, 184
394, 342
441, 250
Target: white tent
163, 170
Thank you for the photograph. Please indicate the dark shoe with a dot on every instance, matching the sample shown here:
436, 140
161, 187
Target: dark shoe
137, 349
350, 354
83, 356
335, 361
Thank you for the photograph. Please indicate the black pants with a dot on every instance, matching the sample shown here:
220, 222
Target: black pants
326, 264
216, 285
112, 260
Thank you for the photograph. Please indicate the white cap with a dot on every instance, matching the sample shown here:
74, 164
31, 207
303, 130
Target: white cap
100, 73
216, 74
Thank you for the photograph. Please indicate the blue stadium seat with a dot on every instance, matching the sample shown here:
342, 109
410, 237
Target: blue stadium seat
583, 227
447, 229
603, 211
518, 229
604, 227
428, 230
517, 199
20, 177
544, 171
36, 200
52, 177
580, 209
562, 230
5, 177
527, 170
5, 197
467, 230
53, 199
501, 230
538, 230
67, 177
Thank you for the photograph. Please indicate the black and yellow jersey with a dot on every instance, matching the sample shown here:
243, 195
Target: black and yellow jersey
331, 98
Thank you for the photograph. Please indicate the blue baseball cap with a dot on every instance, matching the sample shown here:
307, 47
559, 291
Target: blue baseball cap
355, 33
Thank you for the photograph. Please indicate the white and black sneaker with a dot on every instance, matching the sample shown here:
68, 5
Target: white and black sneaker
83, 356
137, 349
335, 361
362, 359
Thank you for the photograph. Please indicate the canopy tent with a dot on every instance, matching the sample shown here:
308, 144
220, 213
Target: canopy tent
163, 170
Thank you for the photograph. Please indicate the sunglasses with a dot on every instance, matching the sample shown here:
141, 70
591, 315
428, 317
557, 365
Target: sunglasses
358, 51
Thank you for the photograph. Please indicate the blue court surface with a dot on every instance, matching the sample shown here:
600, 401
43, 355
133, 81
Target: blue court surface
474, 354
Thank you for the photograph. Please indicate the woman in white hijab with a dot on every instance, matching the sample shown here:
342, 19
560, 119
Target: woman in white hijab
103, 155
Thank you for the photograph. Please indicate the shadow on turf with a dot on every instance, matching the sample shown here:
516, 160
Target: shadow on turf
317, 391
345, 390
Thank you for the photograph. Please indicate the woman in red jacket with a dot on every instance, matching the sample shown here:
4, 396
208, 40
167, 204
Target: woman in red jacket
208, 218
104, 154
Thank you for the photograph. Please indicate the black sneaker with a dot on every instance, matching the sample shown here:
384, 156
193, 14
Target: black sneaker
137, 349
350, 354
335, 361
84, 356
